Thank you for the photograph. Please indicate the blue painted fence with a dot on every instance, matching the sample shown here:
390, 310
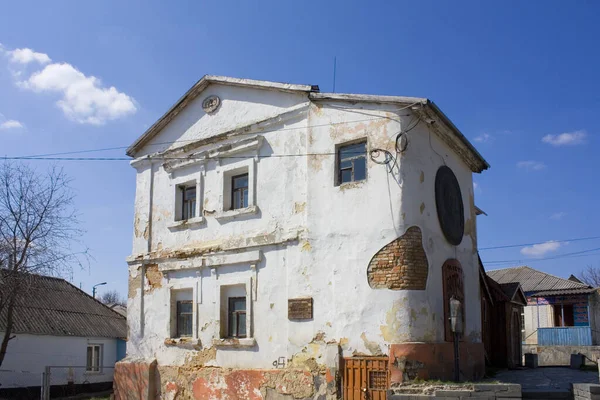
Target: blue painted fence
565, 336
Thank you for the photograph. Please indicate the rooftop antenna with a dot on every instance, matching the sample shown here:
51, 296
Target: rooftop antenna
334, 67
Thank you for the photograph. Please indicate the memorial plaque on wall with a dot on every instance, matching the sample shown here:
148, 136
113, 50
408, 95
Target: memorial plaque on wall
300, 308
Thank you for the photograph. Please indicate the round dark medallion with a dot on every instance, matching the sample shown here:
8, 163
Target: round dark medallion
449, 204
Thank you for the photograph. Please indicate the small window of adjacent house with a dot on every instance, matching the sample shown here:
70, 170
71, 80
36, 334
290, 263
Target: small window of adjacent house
188, 196
239, 191
352, 163
94, 358
184, 318
237, 317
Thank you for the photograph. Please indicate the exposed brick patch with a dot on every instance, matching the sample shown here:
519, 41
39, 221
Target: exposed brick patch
134, 380
401, 264
154, 277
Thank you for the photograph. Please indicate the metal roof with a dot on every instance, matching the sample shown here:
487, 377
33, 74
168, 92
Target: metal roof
53, 306
563, 292
533, 280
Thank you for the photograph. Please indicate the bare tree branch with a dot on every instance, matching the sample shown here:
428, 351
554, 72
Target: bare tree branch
591, 276
112, 297
38, 231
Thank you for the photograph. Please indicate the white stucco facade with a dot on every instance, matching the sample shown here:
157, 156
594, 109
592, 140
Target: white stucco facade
28, 355
302, 235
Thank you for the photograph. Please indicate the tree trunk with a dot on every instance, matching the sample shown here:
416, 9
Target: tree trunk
9, 325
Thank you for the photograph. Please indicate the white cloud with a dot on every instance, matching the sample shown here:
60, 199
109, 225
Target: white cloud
10, 124
538, 250
531, 165
566, 139
25, 56
84, 98
558, 215
484, 137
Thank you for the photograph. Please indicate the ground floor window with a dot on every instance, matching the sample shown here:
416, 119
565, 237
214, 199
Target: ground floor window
94, 358
237, 317
563, 315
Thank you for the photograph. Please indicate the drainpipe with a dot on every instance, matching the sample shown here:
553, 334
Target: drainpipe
562, 314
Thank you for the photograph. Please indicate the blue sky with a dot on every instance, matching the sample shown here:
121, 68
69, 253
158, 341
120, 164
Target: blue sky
508, 74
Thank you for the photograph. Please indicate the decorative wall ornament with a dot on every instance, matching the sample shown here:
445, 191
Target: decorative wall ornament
449, 204
453, 285
211, 104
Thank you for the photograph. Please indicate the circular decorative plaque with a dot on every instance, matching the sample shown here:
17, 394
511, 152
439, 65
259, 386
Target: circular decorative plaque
210, 104
449, 204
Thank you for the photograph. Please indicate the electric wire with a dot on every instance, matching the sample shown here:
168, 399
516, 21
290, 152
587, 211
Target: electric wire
195, 140
532, 244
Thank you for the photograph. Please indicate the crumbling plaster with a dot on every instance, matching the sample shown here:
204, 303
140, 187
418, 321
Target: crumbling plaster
335, 231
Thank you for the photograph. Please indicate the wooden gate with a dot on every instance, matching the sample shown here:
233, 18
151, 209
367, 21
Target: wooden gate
366, 378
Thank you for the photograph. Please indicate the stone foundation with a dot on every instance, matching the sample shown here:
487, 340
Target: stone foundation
553, 356
586, 391
409, 361
479, 391
147, 381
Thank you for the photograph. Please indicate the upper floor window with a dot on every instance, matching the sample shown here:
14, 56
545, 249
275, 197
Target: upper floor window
239, 191
184, 318
188, 203
352, 162
237, 317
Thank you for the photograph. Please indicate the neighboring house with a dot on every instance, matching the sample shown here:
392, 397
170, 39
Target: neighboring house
288, 239
120, 308
58, 325
501, 310
559, 312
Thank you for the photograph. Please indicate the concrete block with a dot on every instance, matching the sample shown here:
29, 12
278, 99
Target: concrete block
453, 393
531, 360
577, 361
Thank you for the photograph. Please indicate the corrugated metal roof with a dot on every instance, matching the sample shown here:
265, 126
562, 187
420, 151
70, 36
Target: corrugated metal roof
563, 292
533, 280
53, 306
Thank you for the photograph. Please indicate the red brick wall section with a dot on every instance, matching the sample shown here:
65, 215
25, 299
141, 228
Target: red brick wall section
401, 264
435, 361
134, 380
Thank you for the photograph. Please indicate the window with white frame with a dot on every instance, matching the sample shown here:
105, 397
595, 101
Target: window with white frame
94, 358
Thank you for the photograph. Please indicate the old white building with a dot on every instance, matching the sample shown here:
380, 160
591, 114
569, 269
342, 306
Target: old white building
288, 238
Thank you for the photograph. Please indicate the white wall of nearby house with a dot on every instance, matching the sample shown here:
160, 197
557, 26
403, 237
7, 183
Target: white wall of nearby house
27, 355
536, 316
307, 236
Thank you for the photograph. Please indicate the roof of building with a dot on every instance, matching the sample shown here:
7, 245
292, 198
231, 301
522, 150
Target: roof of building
428, 111
53, 306
534, 281
120, 308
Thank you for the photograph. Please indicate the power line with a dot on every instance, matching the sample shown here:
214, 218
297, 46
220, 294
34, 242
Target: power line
195, 140
533, 244
171, 158
566, 255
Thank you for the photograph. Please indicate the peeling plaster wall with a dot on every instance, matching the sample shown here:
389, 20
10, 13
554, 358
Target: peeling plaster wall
315, 239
